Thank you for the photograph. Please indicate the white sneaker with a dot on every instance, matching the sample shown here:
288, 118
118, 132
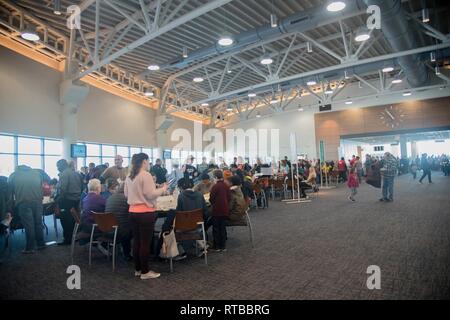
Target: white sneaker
137, 273
150, 275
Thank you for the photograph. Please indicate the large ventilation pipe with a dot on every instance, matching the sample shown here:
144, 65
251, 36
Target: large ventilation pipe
400, 36
298, 22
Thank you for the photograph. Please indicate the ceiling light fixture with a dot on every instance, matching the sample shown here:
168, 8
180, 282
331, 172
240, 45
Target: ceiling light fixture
300, 109
229, 107
258, 115
432, 56
407, 93
425, 15
273, 100
205, 104
387, 69
311, 83
335, 6
362, 34
57, 7
149, 93
348, 102
273, 20
328, 89
153, 67
185, 52
198, 79
396, 81
309, 47
30, 35
225, 40
437, 70
346, 75
266, 60
251, 95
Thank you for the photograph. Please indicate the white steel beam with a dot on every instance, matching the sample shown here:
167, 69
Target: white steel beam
211, 5
341, 66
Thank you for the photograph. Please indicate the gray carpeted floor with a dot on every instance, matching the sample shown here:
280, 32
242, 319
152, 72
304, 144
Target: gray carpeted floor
317, 250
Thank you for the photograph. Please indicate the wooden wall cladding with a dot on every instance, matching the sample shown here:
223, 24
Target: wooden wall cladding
409, 115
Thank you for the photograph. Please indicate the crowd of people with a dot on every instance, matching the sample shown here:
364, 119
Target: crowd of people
130, 193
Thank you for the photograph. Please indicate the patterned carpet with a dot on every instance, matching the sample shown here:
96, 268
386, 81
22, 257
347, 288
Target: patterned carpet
317, 250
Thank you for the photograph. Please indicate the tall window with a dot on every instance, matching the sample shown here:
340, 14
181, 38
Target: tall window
37, 153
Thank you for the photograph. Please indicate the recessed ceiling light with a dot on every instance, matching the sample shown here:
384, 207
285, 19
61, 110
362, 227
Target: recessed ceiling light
387, 69
395, 81
362, 34
225, 41
30, 35
153, 67
335, 6
311, 83
205, 104
252, 94
198, 79
406, 94
266, 60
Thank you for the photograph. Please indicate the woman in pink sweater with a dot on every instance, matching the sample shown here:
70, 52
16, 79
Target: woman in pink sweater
141, 192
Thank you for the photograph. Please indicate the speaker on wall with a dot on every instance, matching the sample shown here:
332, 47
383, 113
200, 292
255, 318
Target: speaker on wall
326, 107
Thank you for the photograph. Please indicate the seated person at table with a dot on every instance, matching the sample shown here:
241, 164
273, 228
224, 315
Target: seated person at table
246, 187
111, 187
238, 205
117, 205
303, 186
92, 202
188, 200
205, 184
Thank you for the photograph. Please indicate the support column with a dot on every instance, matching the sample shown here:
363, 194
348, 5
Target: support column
403, 147
414, 149
162, 124
71, 97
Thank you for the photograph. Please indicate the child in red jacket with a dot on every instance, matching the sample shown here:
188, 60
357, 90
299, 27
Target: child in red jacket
220, 196
353, 184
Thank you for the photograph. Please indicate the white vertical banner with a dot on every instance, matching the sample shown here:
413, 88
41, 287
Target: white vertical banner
293, 146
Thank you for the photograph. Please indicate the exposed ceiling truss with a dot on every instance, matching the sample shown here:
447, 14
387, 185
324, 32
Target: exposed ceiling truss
119, 39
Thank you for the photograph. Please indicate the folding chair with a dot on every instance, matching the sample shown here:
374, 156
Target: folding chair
106, 223
277, 186
258, 192
75, 235
246, 222
186, 228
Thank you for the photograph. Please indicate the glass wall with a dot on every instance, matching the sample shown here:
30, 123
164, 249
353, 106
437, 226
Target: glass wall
38, 153
105, 153
42, 153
